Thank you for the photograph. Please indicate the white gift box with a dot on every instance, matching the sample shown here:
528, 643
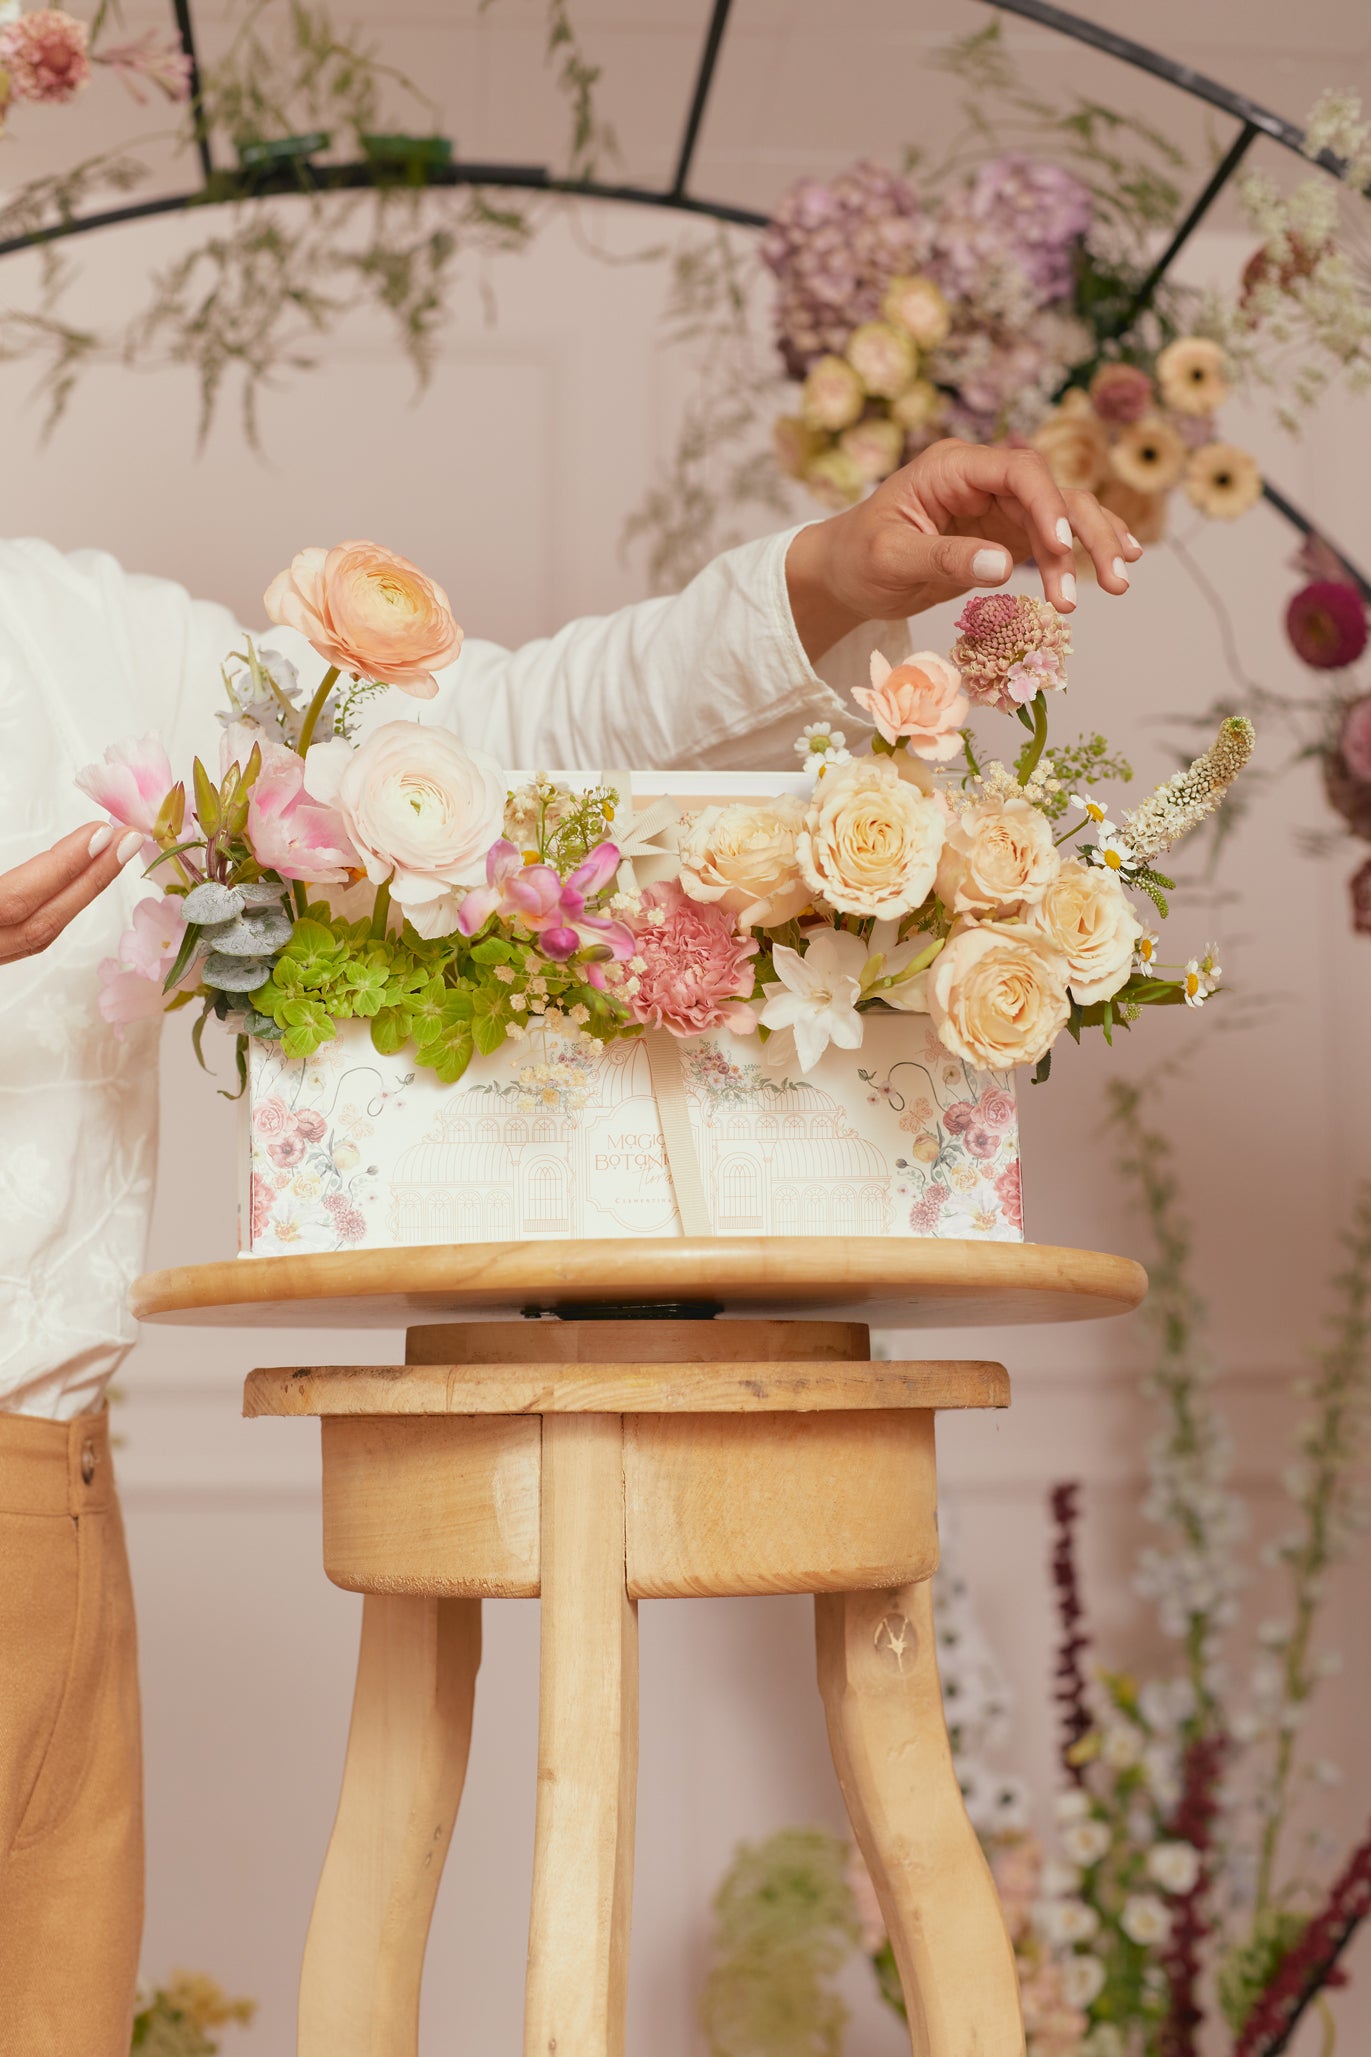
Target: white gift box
546, 1138
353, 1150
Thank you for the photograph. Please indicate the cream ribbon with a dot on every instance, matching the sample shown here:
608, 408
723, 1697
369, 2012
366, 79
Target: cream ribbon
643, 860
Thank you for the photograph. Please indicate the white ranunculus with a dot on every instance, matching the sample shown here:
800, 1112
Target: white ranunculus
999, 857
997, 994
1087, 915
422, 810
871, 840
1082, 1980
1174, 1866
743, 857
1085, 1842
1069, 1921
1145, 1919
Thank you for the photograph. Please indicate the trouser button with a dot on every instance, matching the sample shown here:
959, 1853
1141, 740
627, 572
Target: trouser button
87, 1463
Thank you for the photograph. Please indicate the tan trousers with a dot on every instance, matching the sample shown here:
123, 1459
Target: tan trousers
71, 1803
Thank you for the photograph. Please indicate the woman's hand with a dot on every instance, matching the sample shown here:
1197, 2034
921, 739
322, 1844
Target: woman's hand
39, 898
960, 515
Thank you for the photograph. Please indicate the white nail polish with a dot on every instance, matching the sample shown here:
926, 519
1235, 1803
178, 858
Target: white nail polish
1120, 569
1132, 540
1069, 588
102, 839
1064, 533
990, 566
131, 843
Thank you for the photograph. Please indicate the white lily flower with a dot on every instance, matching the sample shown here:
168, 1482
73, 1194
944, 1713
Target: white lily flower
816, 995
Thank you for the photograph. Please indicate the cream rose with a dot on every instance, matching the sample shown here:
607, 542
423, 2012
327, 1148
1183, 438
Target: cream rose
1087, 916
871, 840
999, 856
422, 810
743, 858
997, 994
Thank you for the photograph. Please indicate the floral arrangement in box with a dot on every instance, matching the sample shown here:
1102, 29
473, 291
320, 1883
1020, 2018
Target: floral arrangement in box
323, 875
967, 311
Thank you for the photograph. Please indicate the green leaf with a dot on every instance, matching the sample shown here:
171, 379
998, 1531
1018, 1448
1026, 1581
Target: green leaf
306, 1024
208, 812
183, 957
1042, 1070
488, 1031
366, 983
391, 1030
452, 1059
492, 950
240, 1058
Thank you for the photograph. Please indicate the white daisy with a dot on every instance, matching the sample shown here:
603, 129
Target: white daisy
817, 738
1093, 809
1146, 948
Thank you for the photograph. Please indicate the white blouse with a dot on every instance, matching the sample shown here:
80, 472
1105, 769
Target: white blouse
91, 654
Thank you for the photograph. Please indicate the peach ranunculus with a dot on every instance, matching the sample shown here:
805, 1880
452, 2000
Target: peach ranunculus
997, 994
369, 612
743, 859
921, 700
422, 810
871, 840
999, 856
1088, 917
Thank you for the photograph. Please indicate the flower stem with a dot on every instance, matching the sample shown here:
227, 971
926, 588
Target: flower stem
380, 911
316, 708
1032, 751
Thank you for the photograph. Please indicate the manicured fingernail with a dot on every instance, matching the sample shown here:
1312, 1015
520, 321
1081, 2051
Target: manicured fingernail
102, 839
1064, 533
1069, 588
1132, 540
129, 845
990, 566
1120, 570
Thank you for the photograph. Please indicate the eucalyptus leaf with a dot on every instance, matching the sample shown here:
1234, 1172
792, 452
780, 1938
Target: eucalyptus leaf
235, 974
212, 903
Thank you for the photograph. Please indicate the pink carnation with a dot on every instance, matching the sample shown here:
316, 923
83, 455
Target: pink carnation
1011, 648
291, 833
698, 967
46, 54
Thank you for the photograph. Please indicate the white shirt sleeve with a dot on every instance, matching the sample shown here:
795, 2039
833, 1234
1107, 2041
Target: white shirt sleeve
714, 676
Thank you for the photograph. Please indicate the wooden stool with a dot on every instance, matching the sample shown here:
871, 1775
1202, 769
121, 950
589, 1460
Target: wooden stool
597, 1462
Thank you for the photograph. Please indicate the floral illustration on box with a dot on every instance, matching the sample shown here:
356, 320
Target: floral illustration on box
311, 1188
961, 1176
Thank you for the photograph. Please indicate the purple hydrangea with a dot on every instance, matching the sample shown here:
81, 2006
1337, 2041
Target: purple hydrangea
834, 248
1039, 210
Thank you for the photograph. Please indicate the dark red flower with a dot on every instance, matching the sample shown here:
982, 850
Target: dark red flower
1326, 624
1360, 887
1069, 1692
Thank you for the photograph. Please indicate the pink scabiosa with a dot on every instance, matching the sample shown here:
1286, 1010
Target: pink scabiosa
696, 967
1122, 392
46, 54
1011, 647
1326, 624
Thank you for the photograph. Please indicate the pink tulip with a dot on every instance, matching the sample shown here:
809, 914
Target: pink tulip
551, 908
131, 783
290, 833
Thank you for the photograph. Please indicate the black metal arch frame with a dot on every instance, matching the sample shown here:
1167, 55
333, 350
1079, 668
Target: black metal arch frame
220, 185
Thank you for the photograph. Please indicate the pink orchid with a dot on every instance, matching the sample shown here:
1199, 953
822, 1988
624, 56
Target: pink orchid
131, 783
550, 907
131, 983
291, 833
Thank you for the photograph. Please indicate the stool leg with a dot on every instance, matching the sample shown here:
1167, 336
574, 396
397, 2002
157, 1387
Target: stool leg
587, 1749
878, 1674
402, 1781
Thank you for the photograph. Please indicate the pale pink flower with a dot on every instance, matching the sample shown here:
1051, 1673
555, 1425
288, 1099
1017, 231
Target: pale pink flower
697, 967
1012, 646
921, 700
291, 833
369, 612
157, 59
131, 782
47, 55
131, 983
